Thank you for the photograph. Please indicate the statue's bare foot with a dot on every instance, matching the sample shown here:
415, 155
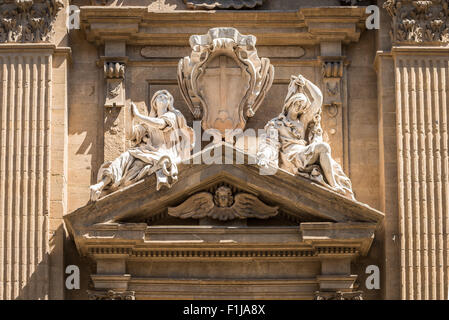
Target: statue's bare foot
95, 191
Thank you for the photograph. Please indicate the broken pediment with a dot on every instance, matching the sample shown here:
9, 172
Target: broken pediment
293, 195
223, 4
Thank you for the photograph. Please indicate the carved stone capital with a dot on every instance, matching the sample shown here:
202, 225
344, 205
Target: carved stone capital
28, 20
111, 295
418, 22
338, 295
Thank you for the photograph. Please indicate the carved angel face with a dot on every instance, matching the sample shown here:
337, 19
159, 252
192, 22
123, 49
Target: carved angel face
223, 197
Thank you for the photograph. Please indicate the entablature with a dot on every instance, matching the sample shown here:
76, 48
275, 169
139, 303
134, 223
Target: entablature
141, 26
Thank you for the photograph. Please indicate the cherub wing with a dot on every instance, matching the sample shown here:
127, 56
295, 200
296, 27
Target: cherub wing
197, 206
223, 214
248, 206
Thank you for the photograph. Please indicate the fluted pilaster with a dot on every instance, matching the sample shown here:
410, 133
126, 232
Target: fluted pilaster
26, 94
422, 89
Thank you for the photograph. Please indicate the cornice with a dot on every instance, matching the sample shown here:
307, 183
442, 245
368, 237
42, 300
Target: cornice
140, 26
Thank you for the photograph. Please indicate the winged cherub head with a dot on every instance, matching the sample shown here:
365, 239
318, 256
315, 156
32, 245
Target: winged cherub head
223, 197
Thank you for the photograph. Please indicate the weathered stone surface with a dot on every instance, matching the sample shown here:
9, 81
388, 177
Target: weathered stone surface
375, 90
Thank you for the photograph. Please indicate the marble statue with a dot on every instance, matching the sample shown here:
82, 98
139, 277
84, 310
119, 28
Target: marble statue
162, 140
294, 139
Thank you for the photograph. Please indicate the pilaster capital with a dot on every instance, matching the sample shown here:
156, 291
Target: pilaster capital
419, 22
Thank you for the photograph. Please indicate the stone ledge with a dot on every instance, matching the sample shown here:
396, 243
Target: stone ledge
139, 26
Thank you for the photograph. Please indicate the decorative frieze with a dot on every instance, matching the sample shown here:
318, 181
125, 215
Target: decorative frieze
416, 22
223, 4
111, 295
28, 20
224, 253
338, 295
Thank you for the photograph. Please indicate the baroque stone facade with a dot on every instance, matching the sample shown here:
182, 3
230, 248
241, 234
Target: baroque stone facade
107, 168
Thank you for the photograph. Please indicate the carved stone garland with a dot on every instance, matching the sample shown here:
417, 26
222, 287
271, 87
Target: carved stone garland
227, 42
417, 22
28, 20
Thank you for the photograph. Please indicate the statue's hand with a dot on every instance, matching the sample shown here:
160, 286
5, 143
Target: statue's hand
301, 81
134, 110
95, 191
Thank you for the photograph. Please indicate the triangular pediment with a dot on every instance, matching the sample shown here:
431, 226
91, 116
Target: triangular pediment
296, 197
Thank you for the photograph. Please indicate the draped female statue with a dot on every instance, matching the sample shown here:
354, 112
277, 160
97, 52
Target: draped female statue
162, 140
297, 137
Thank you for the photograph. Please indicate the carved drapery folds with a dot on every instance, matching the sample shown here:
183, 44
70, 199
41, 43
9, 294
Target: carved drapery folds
111, 295
28, 20
223, 205
294, 141
157, 149
222, 4
114, 73
224, 81
416, 22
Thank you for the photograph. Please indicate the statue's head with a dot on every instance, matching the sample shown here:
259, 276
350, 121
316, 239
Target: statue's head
298, 103
223, 197
161, 102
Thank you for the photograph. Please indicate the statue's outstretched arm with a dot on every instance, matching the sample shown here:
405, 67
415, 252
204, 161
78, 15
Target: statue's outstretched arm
153, 122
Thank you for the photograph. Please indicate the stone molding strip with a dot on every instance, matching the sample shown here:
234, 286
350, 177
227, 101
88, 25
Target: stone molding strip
223, 4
